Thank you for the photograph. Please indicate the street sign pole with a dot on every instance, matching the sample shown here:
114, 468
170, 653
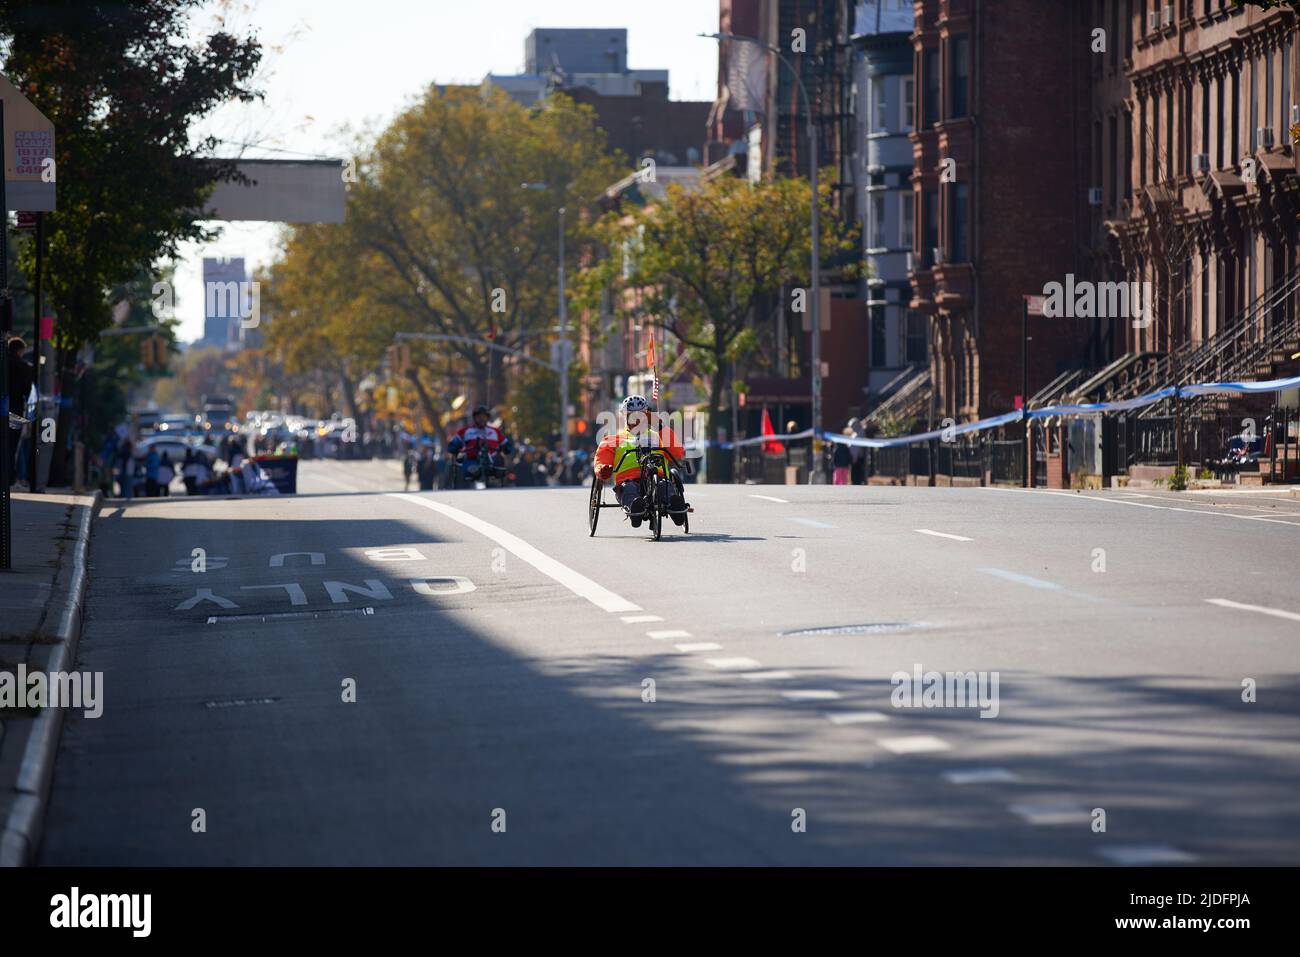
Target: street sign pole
36, 349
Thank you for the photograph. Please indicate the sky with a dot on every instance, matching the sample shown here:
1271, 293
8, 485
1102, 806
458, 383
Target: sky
333, 69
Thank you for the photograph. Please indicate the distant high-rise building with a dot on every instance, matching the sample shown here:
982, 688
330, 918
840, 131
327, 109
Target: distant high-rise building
225, 294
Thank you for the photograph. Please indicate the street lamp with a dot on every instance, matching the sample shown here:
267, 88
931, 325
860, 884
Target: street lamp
564, 337
815, 473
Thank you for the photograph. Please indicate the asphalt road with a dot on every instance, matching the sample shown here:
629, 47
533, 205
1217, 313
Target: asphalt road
503, 669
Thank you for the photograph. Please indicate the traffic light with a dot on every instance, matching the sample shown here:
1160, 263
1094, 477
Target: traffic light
403, 358
146, 352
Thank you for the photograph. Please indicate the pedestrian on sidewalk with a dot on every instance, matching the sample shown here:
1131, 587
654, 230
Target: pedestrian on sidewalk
842, 460
126, 468
151, 462
190, 472
165, 475
21, 378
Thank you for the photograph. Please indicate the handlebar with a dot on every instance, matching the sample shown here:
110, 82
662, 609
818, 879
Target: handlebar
642, 451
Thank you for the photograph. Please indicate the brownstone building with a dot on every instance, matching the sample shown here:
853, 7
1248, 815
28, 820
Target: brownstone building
999, 179
1098, 141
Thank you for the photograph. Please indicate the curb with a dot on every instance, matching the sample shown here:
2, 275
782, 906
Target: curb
22, 832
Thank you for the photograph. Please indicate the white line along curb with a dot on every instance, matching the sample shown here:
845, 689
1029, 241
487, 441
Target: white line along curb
576, 582
22, 833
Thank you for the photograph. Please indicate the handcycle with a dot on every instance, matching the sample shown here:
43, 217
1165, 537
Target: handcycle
483, 468
659, 480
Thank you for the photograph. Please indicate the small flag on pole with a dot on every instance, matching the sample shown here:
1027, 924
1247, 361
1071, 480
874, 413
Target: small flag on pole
654, 388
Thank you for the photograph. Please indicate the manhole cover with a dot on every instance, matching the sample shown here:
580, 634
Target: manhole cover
868, 628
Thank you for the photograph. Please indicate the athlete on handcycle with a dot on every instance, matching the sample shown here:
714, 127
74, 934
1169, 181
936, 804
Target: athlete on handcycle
637, 431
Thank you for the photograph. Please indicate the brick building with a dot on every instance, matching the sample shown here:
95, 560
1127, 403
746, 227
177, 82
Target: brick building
999, 183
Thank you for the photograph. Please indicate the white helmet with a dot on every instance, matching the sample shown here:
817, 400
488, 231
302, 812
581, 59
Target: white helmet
633, 403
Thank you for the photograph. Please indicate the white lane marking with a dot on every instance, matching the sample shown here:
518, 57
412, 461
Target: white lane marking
576, 582
811, 694
1140, 854
812, 522
914, 744
771, 498
1164, 508
1051, 812
767, 675
638, 619
981, 776
855, 717
698, 646
956, 538
668, 633
729, 663
1275, 612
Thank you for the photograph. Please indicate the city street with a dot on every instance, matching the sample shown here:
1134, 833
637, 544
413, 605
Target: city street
527, 694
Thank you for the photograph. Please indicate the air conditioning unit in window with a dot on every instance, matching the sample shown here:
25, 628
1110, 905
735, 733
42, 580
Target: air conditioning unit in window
1295, 112
1153, 20
911, 262
937, 254
1094, 196
1201, 163
1169, 14
1263, 138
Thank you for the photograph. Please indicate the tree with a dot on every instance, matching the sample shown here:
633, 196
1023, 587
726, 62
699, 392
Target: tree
700, 262
123, 83
466, 250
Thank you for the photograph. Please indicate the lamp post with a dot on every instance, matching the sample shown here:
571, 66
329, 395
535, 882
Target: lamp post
564, 337
815, 472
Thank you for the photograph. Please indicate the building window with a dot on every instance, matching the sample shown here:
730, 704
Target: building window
880, 100
1286, 86
916, 336
1113, 39
1254, 104
906, 220
879, 351
958, 222
877, 220
1169, 138
908, 106
930, 77
1142, 143
1205, 117
1128, 155
959, 48
1112, 151
1220, 95
930, 227
1269, 116
1236, 117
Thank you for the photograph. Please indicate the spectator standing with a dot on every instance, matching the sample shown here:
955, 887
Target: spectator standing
151, 463
126, 468
842, 460
21, 378
165, 475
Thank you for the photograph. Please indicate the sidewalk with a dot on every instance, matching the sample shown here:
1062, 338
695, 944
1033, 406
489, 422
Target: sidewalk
40, 624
